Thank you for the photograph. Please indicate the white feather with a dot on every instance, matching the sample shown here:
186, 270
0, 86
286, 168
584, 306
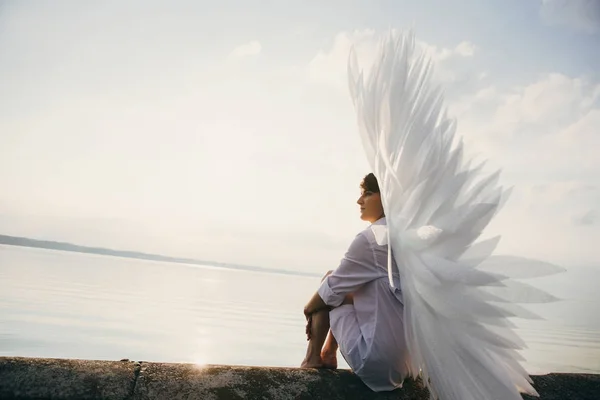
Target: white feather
457, 298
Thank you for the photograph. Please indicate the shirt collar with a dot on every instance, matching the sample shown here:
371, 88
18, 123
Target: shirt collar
380, 221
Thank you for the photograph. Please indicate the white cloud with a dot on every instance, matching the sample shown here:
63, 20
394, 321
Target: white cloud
582, 15
551, 119
555, 96
544, 135
329, 66
249, 49
463, 49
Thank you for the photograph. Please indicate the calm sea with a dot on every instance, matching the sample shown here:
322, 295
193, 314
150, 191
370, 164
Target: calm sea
73, 305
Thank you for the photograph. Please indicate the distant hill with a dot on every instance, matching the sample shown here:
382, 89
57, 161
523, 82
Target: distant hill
46, 244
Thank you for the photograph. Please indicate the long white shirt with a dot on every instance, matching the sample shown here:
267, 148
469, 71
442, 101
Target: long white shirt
371, 335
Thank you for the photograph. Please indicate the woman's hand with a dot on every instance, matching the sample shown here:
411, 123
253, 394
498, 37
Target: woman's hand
308, 326
314, 305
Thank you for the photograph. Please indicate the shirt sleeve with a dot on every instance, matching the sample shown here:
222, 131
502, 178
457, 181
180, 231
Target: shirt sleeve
356, 268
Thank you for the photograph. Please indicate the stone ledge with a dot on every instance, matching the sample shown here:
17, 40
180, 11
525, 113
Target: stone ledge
42, 378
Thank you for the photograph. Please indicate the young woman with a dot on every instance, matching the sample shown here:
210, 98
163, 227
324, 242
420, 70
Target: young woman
356, 310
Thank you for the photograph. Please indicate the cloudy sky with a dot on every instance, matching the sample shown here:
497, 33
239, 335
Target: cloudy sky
224, 130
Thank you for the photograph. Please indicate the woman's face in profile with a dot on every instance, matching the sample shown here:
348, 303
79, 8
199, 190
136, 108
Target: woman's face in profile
371, 208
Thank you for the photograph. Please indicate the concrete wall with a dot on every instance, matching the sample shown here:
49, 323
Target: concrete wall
36, 378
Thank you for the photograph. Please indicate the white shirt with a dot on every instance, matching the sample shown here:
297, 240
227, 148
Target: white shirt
371, 335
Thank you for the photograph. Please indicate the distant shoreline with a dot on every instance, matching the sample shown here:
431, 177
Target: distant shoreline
64, 246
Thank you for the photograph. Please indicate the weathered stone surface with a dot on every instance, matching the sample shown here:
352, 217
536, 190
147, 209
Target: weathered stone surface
185, 381
30, 378
567, 387
38, 378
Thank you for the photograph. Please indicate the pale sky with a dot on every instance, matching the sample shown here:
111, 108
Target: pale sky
224, 130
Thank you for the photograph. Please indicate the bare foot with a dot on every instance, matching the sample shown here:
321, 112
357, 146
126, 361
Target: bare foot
329, 359
312, 363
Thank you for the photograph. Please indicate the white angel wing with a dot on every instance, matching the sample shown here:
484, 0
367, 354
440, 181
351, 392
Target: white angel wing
457, 328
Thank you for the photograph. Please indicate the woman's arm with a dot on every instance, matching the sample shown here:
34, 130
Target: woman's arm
315, 304
357, 268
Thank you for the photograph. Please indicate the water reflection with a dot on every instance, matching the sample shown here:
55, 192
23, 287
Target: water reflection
55, 304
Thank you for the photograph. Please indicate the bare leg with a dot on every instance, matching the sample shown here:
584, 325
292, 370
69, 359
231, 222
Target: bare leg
329, 350
316, 330
319, 328
322, 345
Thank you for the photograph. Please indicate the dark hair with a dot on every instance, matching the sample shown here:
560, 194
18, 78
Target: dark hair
369, 184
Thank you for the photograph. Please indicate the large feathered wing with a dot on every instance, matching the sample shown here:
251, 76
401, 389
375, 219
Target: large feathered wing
458, 333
